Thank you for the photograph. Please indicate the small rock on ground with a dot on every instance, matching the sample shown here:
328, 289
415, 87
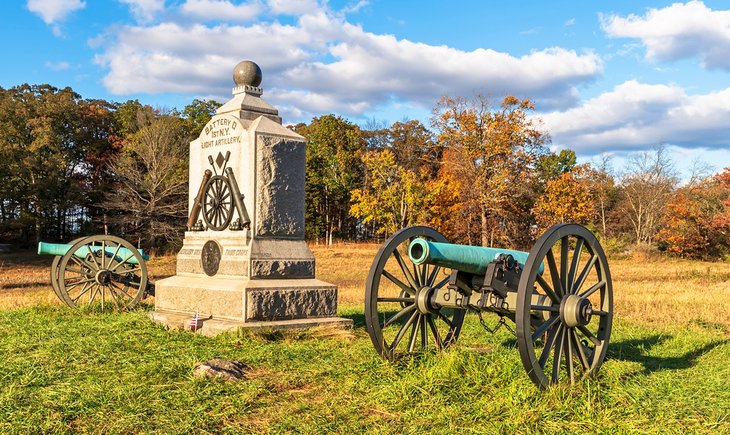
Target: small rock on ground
226, 369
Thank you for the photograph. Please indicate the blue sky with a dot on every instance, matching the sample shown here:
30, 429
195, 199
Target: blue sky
607, 77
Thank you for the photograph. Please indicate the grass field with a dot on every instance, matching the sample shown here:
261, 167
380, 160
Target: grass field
667, 369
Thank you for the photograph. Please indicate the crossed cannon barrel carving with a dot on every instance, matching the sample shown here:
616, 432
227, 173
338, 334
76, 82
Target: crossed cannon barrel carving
559, 296
98, 270
217, 198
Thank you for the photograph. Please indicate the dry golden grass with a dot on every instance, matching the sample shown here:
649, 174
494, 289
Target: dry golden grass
677, 292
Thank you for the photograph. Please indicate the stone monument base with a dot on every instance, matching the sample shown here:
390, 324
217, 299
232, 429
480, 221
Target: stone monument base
226, 304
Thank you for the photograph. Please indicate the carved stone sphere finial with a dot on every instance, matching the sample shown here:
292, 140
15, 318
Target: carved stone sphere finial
247, 73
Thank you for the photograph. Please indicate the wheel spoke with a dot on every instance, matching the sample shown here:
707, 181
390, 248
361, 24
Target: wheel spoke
557, 285
398, 282
564, 247
75, 283
114, 255
122, 262
544, 308
424, 273
432, 276
84, 290
593, 289
574, 264
589, 335
424, 335
569, 355
445, 319
82, 263
557, 356
404, 300
544, 327
406, 270
412, 340
398, 315
121, 289
435, 332
441, 283
549, 343
584, 273
581, 352
78, 271
402, 332
548, 290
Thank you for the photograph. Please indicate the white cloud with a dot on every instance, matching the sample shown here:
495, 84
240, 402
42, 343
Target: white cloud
678, 31
322, 63
58, 66
221, 10
52, 11
292, 7
144, 10
635, 115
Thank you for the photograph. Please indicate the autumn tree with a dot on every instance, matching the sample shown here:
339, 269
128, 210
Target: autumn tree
489, 151
566, 198
333, 171
645, 191
689, 224
394, 197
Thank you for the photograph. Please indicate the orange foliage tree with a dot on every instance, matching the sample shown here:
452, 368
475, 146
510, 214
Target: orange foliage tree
695, 222
567, 198
488, 152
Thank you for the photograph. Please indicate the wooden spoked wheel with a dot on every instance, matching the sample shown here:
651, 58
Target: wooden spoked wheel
564, 312
104, 271
55, 266
398, 314
218, 203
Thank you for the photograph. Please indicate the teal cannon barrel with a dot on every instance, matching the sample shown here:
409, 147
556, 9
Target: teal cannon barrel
83, 251
470, 259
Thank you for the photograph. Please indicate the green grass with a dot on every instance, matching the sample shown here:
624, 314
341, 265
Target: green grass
64, 371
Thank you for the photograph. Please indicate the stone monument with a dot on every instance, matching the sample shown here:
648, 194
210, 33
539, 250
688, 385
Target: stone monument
244, 261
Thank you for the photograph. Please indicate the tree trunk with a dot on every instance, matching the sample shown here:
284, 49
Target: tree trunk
485, 229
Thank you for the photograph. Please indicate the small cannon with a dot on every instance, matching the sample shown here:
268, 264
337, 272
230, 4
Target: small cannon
98, 270
559, 295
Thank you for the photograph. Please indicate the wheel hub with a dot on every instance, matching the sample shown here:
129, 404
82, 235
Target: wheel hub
575, 311
423, 300
104, 277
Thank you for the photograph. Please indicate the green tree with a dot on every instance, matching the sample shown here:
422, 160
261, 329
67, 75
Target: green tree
50, 143
393, 198
333, 171
196, 114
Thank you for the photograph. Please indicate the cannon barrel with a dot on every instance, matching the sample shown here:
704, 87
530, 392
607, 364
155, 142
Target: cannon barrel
470, 259
83, 251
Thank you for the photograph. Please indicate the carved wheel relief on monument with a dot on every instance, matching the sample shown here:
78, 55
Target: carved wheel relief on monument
218, 197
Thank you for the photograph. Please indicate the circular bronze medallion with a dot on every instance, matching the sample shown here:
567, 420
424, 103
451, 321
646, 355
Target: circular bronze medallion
210, 257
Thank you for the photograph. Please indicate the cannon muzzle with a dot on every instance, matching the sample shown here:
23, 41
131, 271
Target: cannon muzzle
83, 251
470, 259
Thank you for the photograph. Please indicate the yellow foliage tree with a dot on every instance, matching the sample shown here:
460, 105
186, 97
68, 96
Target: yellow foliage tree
393, 197
566, 199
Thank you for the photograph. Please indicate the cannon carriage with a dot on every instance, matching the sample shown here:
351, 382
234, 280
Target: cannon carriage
98, 270
559, 296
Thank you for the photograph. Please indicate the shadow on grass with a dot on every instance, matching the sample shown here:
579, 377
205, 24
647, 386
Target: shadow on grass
358, 319
636, 350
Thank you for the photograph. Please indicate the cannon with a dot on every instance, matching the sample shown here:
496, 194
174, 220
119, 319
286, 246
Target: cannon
559, 296
104, 270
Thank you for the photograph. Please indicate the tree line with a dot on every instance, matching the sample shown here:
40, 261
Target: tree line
481, 172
